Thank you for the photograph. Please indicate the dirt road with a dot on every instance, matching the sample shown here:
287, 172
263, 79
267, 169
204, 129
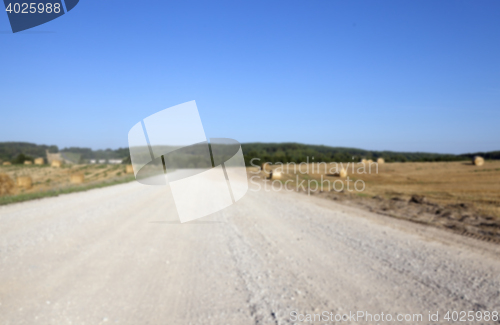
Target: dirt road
119, 256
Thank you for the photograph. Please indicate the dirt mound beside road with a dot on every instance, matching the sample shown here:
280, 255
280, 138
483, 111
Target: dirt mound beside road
462, 218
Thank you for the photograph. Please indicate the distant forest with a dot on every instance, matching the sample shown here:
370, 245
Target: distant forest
267, 152
296, 152
10, 150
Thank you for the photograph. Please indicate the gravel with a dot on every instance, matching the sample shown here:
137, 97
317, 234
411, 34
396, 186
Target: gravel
119, 255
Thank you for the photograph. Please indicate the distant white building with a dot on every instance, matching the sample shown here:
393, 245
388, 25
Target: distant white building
115, 161
104, 161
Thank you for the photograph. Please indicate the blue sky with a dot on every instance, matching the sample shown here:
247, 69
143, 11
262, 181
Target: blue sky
381, 75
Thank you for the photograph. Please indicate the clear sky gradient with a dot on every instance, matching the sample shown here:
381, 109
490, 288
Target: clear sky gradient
381, 75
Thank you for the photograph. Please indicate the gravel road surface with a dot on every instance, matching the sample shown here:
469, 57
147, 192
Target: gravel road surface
119, 255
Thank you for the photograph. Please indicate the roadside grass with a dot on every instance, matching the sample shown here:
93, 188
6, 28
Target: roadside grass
66, 190
444, 183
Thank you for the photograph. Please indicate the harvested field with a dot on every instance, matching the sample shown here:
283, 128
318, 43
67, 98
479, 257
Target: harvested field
456, 195
68, 177
7, 185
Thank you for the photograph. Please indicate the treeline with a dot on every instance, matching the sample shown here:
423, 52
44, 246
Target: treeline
266, 152
11, 151
87, 153
296, 152
492, 155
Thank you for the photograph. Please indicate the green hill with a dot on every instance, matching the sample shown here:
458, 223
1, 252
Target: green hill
10, 150
267, 152
296, 152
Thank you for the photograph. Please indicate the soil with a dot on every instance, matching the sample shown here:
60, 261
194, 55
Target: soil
462, 218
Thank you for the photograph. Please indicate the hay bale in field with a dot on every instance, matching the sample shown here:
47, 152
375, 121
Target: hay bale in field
369, 161
342, 173
275, 174
56, 163
39, 161
28, 162
24, 182
478, 161
77, 178
363, 161
380, 161
129, 169
6, 185
6, 163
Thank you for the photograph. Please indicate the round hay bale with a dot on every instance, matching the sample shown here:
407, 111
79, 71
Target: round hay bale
56, 163
129, 169
77, 178
276, 175
380, 161
6, 185
478, 161
28, 162
6, 163
363, 161
39, 161
24, 182
343, 173
369, 161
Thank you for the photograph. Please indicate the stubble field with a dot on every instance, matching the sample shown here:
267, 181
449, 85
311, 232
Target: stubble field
455, 195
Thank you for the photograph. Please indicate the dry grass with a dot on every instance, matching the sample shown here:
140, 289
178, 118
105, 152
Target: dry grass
439, 182
444, 183
7, 185
44, 178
